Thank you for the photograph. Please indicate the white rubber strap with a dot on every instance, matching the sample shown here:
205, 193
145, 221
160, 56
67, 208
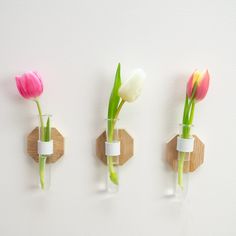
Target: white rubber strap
185, 144
45, 148
112, 149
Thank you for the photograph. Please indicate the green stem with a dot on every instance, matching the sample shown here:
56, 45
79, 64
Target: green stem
111, 127
185, 134
118, 109
185, 107
186, 128
188, 104
41, 119
42, 163
192, 112
181, 169
188, 116
42, 159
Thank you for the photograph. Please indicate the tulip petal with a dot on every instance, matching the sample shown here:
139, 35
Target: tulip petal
38, 85
190, 86
29, 85
132, 87
194, 78
203, 87
20, 82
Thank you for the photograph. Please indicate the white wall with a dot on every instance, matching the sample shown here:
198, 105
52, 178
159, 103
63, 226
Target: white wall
76, 45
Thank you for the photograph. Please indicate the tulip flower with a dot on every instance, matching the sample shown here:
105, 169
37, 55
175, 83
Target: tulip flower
132, 88
30, 86
197, 88
121, 93
202, 84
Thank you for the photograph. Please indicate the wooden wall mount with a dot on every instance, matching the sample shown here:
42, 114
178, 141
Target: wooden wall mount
126, 147
196, 157
58, 145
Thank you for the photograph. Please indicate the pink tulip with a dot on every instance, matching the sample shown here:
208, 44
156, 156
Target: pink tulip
202, 81
30, 85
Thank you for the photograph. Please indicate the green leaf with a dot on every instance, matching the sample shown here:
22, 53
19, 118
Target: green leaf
114, 178
47, 131
114, 98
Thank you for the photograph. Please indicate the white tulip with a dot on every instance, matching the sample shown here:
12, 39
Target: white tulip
132, 87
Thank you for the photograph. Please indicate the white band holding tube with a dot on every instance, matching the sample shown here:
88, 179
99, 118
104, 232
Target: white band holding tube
112, 149
45, 148
185, 144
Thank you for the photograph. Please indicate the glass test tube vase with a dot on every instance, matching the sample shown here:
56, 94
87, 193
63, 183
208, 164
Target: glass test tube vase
185, 145
45, 150
112, 152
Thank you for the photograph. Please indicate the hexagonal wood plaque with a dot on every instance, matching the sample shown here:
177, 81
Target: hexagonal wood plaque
58, 145
196, 157
126, 147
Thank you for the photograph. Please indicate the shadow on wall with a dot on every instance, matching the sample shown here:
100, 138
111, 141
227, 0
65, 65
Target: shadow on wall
9, 89
100, 98
18, 111
16, 115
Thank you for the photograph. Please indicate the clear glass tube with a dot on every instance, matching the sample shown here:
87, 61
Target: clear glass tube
183, 164
45, 124
112, 137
